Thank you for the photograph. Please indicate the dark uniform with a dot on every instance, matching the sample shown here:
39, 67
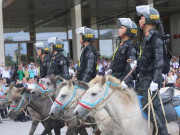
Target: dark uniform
88, 63
125, 51
44, 65
59, 64
43, 62
119, 65
150, 65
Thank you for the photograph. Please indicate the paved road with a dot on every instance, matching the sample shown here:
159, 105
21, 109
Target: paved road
9, 127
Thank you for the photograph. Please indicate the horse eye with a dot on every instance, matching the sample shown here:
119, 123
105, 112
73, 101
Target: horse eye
48, 83
93, 94
63, 96
16, 101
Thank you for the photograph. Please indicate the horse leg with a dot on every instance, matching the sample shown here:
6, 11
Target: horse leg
33, 127
45, 124
98, 132
71, 130
82, 131
47, 130
57, 131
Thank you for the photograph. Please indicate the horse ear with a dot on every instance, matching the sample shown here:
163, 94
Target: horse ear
82, 84
11, 86
70, 83
103, 80
20, 90
60, 78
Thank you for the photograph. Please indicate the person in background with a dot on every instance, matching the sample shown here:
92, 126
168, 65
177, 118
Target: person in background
2, 68
175, 63
31, 72
26, 73
6, 75
30, 83
20, 73
11, 72
24, 82
36, 71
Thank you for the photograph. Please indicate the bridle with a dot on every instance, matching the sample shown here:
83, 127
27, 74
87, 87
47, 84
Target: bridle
93, 106
67, 104
21, 102
44, 90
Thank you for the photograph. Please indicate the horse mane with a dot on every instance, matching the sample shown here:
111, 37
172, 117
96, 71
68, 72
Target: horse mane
62, 84
97, 79
130, 93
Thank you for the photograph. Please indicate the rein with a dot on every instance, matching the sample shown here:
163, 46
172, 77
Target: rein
67, 104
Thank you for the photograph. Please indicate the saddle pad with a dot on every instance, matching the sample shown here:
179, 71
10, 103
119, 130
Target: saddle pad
141, 107
177, 109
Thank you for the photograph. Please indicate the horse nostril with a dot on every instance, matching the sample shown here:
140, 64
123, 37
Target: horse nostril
76, 113
33, 92
51, 114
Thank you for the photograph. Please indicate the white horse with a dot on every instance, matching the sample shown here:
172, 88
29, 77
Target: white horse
67, 100
122, 106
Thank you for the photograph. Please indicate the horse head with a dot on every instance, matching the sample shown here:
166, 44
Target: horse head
95, 97
19, 101
46, 86
67, 98
5, 98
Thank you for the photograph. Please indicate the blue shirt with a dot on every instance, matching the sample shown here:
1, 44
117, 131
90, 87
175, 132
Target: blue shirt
31, 73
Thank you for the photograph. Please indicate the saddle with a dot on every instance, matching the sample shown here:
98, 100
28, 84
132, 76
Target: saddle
171, 105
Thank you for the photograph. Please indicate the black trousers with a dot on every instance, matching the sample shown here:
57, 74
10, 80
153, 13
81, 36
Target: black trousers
142, 86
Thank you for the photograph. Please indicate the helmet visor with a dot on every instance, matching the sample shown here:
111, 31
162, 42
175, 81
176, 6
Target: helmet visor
39, 45
80, 30
124, 22
52, 40
141, 10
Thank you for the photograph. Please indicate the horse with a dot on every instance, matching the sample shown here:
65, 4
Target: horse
5, 101
48, 88
67, 100
22, 99
122, 106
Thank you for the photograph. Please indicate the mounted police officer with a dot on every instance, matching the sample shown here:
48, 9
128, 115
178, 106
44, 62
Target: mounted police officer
59, 64
88, 60
43, 58
124, 58
150, 64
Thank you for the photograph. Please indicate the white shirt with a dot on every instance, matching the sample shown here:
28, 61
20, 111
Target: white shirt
171, 79
6, 74
30, 86
175, 65
71, 72
36, 71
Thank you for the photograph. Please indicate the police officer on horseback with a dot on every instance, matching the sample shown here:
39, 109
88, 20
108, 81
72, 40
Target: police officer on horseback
43, 58
59, 64
150, 64
88, 59
124, 58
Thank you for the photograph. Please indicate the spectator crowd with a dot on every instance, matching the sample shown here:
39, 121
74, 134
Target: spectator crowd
28, 76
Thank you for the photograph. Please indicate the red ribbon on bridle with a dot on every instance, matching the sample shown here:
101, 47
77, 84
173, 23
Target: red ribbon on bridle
42, 86
89, 108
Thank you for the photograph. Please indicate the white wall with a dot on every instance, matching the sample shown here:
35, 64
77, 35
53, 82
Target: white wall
175, 30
